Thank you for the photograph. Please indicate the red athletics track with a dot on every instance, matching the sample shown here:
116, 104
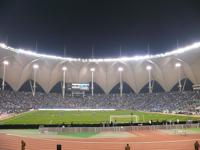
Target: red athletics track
145, 140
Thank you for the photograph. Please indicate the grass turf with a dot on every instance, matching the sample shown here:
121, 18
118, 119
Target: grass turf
81, 117
182, 131
34, 133
79, 135
195, 129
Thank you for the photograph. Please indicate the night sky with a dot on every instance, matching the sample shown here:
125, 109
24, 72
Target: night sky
104, 25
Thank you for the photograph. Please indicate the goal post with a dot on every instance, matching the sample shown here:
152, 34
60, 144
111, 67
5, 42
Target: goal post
131, 117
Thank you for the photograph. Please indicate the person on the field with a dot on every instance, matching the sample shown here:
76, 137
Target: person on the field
23, 145
127, 147
196, 145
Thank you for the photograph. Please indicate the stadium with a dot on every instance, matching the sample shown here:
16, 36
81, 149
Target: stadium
73, 103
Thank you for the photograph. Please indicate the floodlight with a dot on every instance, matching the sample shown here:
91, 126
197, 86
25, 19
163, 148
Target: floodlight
193, 46
35, 66
5, 62
92, 69
177, 65
64, 68
120, 69
148, 67
2, 45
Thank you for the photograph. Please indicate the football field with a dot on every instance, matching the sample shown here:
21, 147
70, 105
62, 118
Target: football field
89, 117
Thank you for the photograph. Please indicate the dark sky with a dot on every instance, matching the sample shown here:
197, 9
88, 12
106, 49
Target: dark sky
104, 25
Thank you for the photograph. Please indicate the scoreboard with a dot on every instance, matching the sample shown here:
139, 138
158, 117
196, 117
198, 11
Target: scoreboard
196, 87
79, 87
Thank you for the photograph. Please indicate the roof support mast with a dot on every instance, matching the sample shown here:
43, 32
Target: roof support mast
63, 85
35, 68
5, 63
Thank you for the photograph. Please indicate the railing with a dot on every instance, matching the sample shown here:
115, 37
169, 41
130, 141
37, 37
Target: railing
115, 128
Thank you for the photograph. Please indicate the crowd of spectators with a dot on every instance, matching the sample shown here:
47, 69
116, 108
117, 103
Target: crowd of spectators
16, 102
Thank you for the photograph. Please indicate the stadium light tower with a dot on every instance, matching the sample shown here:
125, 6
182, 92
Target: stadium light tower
63, 86
5, 63
178, 66
92, 86
120, 69
149, 68
35, 68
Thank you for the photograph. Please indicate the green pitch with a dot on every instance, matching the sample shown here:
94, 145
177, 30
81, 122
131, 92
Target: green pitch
35, 133
81, 117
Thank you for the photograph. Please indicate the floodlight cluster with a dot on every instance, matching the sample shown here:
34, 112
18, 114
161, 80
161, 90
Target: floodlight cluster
64, 68
92, 69
5, 62
120, 69
177, 65
148, 67
35, 66
134, 58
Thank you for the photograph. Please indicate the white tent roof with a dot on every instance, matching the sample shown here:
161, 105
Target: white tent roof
106, 73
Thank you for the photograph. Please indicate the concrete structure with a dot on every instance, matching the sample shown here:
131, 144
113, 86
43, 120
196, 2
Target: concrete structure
20, 68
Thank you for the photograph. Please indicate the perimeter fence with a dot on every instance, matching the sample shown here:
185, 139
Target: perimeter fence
64, 129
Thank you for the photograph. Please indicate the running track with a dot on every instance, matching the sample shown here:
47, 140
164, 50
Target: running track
145, 140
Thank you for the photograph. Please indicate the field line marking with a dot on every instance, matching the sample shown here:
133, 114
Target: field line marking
15, 135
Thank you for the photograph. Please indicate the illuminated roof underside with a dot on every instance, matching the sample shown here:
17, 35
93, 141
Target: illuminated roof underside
106, 74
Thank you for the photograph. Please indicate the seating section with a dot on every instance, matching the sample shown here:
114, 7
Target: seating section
16, 102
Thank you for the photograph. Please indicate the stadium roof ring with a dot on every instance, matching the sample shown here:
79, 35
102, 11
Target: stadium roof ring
106, 73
